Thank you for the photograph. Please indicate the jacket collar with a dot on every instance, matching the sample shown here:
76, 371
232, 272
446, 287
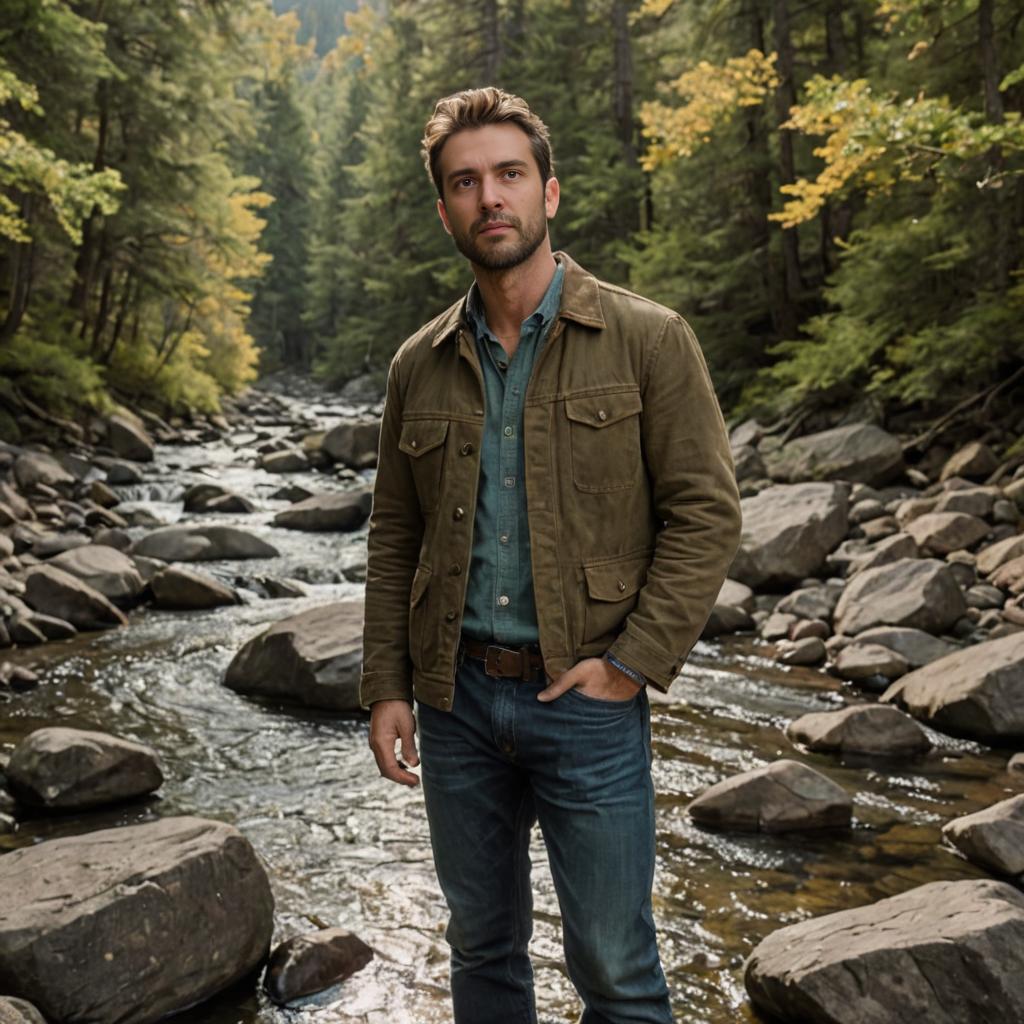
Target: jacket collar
581, 301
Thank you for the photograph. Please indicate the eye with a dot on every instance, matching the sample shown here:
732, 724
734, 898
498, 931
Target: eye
513, 173
464, 183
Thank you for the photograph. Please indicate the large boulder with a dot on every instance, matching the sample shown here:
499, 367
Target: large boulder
938, 533
915, 646
945, 953
353, 443
132, 924
919, 593
788, 531
992, 838
34, 469
202, 543
860, 661
312, 658
129, 440
779, 797
346, 510
179, 587
862, 729
107, 570
310, 963
68, 769
976, 692
55, 592
860, 452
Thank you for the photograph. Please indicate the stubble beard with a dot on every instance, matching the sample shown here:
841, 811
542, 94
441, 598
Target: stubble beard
508, 252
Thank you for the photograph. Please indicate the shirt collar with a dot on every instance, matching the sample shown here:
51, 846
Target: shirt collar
546, 311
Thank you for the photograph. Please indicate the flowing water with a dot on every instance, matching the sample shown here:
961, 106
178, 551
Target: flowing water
344, 848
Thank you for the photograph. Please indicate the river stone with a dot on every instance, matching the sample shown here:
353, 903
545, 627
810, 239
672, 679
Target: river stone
861, 661
939, 533
992, 557
291, 460
103, 495
920, 593
974, 461
119, 472
310, 963
202, 543
347, 510
810, 628
312, 658
992, 838
862, 729
811, 602
179, 587
945, 953
976, 692
18, 1011
736, 595
1010, 575
353, 443
860, 452
914, 645
726, 618
778, 797
808, 650
777, 626
973, 501
129, 440
53, 591
68, 769
132, 924
107, 570
1015, 766
888, 550
788, 531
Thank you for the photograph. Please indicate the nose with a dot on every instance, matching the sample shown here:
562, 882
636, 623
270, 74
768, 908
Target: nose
490, 196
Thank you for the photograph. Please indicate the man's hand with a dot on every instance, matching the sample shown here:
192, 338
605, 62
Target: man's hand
593, 677
392, 720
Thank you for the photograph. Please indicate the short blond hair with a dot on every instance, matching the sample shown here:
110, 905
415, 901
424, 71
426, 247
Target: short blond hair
474, 108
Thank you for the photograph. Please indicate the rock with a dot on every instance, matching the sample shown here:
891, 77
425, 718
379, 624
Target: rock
809, 650
353, 443
914, 645
809, 627
1003, 551
736, 595
1010, 575
920, 593
292, 493
945, 953
977, 692
51, 627
347, 510
938, 533
992, 838
861, 661
107, 570
973, 501
818, 602
17, 1011
778, 797
1015, 766
68, 769
863, 729
912, 508
725, 618
310, 963
52, 544
888, 550
974, 461
747, 432
312, 658
33, 470
53, 591
144, 920
102, 494
748, 463
178, 587
202, 543
777, 626
788, 531
116, 539
119, 472
129, 440
859, 452
277, 588
984, 595
291, 460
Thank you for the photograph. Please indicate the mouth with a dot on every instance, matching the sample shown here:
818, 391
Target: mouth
494, 228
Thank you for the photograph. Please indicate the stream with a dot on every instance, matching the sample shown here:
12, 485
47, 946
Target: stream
345, 848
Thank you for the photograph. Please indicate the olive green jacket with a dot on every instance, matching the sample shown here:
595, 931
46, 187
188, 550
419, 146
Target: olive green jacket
633, 510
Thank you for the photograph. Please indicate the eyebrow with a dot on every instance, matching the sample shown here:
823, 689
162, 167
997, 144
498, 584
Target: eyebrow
501, 166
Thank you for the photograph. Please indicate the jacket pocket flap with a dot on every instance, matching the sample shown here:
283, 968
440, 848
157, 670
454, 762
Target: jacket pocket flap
615, 581
422, 436
420, 582
603, 410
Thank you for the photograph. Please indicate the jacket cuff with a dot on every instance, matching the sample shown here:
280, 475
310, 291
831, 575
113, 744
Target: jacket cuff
373, 688
659, 666
637, 677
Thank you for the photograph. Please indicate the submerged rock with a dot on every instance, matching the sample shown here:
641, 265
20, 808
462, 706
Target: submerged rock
179, 587
347, 510
863, 729
992, 838
310, 963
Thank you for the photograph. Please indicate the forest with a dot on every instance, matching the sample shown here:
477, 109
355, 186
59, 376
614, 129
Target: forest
195, 192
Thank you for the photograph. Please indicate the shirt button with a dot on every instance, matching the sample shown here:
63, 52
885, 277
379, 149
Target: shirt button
503, 600
455, 569
449, 616
502, 365
503, 538
510, 481
467, 449
508, 431
458, 513
602, 415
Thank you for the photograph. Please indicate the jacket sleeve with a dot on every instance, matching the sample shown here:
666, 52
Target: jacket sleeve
693, 483
393, 546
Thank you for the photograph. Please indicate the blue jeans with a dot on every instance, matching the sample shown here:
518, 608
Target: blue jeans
494, 764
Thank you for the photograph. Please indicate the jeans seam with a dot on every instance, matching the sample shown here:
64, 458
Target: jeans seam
517, 928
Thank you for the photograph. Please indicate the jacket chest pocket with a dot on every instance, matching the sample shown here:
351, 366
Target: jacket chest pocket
604, 438
423, 441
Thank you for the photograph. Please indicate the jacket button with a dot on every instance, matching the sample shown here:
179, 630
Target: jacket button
467, 449
621, 585
444, 702
455, 569
602, 415
449, 616
458, 513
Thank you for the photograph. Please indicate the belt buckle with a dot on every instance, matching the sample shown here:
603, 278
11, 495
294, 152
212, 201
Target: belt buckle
492, 659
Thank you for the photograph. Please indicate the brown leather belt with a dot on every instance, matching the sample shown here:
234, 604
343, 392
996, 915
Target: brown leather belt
505, 662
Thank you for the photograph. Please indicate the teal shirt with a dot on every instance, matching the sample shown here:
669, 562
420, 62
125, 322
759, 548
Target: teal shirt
499, 594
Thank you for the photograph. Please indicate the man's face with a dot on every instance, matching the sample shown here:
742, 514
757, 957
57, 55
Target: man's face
495, 206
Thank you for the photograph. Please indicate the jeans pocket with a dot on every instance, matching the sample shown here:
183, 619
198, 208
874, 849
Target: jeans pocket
599, 702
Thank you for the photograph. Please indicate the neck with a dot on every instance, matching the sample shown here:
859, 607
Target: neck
510, 296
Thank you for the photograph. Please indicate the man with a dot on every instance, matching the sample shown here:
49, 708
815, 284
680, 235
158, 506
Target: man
554, 512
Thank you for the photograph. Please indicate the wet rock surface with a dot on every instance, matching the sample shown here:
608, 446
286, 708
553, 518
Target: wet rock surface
310, 963
992, 838
864, 729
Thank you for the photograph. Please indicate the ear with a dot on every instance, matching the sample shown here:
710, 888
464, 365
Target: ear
552, 192
443, 214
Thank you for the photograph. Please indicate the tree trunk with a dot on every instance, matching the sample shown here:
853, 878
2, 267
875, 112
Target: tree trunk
492, 41
21, 276
995, 114
622, 92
